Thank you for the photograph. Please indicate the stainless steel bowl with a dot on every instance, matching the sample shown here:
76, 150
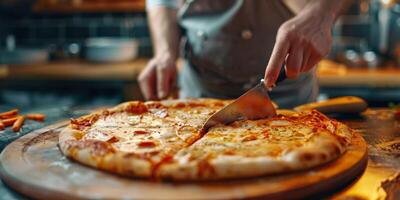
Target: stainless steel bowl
104, 50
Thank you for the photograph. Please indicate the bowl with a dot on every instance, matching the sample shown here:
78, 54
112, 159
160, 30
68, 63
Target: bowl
110, 50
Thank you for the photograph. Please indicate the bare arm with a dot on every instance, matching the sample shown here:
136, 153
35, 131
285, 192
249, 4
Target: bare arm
304, 40
164, 31
160, 73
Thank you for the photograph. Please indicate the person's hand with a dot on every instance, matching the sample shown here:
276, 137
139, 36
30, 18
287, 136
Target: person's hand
157, 79
301, 43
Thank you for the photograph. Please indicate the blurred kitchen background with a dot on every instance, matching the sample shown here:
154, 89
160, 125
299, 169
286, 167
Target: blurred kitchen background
64, 54
67, 53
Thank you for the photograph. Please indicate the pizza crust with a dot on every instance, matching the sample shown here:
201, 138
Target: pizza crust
116, 162
320, 151
211, 161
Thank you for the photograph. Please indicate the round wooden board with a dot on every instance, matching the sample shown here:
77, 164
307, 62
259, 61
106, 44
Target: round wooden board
34, 166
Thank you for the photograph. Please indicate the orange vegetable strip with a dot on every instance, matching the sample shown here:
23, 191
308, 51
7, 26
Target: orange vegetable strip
2, 126
36, 117
9, 114
9, 122
18, 124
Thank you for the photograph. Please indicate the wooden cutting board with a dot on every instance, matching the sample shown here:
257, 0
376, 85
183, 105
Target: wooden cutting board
34, 166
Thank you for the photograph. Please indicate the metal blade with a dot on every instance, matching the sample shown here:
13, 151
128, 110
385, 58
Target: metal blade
254, 104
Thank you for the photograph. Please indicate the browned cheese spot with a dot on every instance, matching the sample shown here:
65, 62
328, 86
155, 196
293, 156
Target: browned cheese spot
250, 137
307, 156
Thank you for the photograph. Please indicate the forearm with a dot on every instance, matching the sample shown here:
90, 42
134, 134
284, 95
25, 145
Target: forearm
327, 9
164, 31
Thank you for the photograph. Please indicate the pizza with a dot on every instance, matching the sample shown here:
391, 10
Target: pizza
163, 140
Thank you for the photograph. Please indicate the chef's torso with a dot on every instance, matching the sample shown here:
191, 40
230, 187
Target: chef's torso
227, 47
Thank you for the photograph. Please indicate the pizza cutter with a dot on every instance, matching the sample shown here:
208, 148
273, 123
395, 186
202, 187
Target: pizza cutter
254, 104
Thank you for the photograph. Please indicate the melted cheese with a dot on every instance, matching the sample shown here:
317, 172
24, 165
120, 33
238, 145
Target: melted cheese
166, 133
98, 135
171, 131
167, 126
253, 138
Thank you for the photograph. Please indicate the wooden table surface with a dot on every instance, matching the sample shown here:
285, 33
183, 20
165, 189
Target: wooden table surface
381, 179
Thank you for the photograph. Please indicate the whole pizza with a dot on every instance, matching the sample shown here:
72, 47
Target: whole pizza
163, 140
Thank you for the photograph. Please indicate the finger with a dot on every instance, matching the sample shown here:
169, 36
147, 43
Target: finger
276, 61
164, 78
147, 82
294, 62
312, 61
306, 57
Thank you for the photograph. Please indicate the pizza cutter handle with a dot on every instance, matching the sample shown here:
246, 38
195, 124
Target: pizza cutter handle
282, 75
339, 105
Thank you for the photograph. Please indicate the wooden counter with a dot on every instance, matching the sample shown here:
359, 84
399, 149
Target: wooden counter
330, 74
3, 71
76, 70
51, 6
64, 72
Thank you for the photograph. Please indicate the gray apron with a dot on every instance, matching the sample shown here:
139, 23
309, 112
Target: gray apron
227, 46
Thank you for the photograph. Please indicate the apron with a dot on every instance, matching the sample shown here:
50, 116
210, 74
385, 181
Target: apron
227, 46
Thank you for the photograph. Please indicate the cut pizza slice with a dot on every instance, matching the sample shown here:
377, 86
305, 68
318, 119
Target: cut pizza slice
258, 147
135, 134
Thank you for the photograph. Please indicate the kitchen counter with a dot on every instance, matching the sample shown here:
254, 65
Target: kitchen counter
3, 71
75, 70
330, 74
46, 6
75, 74
380, 180
378, 86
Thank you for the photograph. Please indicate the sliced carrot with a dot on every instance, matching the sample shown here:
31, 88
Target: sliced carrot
18, 123
36, 117
9, 114
9, 122
2, 126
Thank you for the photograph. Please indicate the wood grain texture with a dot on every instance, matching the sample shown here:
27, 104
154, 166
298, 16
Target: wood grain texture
77, 70
33, 165
332, 74
3, 71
